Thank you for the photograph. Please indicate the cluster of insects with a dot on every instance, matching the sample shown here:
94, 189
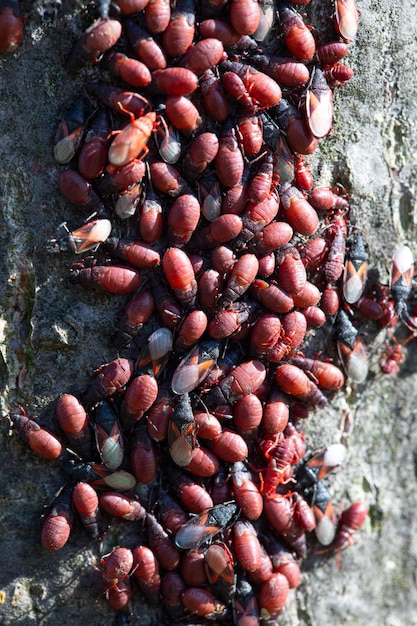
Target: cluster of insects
191, 145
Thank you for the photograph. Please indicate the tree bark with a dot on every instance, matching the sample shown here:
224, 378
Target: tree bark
54, 335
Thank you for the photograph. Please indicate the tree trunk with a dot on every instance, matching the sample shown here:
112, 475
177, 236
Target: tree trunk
54, 335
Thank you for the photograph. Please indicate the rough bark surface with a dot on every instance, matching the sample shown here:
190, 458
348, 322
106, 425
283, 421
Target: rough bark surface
53, 335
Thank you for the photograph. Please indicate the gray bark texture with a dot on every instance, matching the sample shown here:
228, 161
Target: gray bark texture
54, 335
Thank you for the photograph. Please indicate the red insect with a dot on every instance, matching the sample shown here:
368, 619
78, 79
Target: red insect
298, 211
241, 277
167, 179
146, 572
236, 88
271, 296
284, 562
120, 505
221, 230
127, 202
85, 501
182, 113
334, 264
247, 414
108, 379
200, 153
172, 588
293, 381
180, 275
116, 566
219, 566
116, 180
203, 55
250, 134
57, 524
327, 375
351, 350
310, 295
292, 276
79, 191
204, 463
319, 105
298, 38
392, 357
183, 218
273, 595
350, 521
132, 71
70, 132
119, 100
133, 251
143, 455
201, 602
193, 569
179, 33
98, 38
11, 25
285, 70
119, 597
263, 89
161, 544
280, 452
244, 379
264, 571
182, 432
92, 158
338, 74
245, 16
191, 329
229, 160
109, 437
193, 496
294, 328
145, 46
175, 81
201, 528
157, 15
298, 135
107, 278
73, 420
331, 52
135, 314
45, 444
230, 446
214, 99
247, 495
247, 546
324, 199
401, 275
356, 271
303, 174
346, 19
131, 141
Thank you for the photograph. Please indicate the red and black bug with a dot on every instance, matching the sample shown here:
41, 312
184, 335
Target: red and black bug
356, 270
351, 349
202, 528
401, 275
57, 523
182, 432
